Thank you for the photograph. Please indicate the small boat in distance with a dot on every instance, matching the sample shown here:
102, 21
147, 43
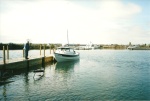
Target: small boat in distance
133, 47
66, 54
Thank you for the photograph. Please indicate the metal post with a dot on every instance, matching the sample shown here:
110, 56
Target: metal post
4, 60
7, 52
40, 49
44, 50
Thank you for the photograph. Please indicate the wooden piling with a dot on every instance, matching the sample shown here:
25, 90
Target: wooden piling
23, 53
7, 52
40, 49
43, 61
44, 50
53, 50
50, 48
4, 60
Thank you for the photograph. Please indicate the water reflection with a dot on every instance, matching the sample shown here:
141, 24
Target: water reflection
66, 66
38, 75
4, 92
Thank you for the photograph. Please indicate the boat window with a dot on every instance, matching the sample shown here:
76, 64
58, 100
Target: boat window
62, 49
71, 50
67, 49
58, 49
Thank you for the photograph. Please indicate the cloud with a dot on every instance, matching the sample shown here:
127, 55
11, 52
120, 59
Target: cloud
48, 21
117, 9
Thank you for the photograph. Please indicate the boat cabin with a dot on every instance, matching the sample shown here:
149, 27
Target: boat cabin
65, 49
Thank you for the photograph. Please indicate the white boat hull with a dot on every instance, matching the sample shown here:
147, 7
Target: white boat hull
64, 57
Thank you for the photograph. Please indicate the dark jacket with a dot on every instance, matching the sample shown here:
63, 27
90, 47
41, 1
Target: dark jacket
27, 47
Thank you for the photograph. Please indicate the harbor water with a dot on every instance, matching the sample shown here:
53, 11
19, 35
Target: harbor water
98, 75
15, 54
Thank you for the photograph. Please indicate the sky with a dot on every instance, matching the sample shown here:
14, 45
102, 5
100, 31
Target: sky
96, 21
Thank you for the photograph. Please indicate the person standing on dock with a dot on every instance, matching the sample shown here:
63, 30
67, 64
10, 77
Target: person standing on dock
26, 47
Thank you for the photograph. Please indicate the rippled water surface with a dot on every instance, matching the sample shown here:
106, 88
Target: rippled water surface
98, 75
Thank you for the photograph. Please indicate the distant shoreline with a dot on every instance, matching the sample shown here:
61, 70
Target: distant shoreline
14, 46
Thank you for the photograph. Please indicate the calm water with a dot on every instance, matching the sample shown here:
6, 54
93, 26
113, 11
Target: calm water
99, 75
13, 54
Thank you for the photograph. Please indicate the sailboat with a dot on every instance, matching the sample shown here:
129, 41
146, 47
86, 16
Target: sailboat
66, 53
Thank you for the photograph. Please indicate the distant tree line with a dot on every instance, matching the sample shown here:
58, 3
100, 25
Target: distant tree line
14, 46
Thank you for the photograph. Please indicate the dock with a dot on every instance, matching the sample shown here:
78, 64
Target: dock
20, 63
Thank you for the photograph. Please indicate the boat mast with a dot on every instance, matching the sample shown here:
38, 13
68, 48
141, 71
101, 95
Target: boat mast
67, 37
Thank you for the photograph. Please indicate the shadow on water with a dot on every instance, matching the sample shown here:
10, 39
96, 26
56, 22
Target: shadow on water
6, 74
66, 66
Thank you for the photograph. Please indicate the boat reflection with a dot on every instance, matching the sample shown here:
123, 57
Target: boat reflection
66, 66
64, 71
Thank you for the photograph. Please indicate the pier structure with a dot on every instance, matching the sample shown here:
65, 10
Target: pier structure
26, 63
20, 63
